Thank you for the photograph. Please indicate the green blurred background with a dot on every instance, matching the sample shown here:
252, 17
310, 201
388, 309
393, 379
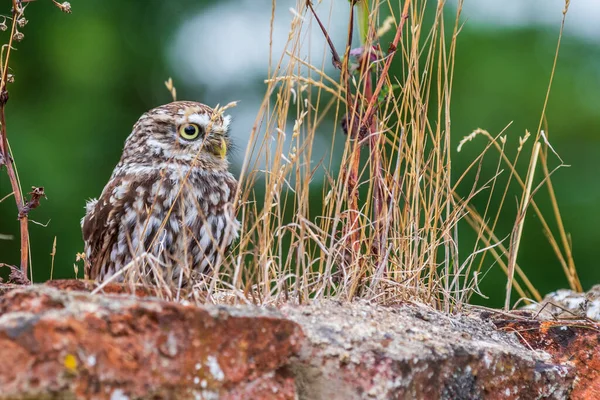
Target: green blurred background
82, 80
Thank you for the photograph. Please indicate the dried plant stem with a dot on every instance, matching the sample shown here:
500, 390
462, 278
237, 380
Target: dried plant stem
518, 231
353, 229
12, 177
569, 265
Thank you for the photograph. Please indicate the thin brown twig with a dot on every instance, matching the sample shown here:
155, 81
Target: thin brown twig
386, 67
335, 56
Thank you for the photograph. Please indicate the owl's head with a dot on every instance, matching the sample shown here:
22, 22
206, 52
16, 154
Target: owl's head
183, 132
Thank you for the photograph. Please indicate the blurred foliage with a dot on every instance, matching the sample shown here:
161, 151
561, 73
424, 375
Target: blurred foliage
82, 80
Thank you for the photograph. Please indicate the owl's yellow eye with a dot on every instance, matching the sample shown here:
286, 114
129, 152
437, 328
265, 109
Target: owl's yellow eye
189, 131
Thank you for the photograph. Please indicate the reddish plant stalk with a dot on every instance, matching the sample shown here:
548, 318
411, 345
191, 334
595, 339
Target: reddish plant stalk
366, 123
6, 156
370, 120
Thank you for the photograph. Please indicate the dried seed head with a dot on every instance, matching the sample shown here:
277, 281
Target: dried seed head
3, 26
65, 7
18, 36
10, 78
22, 22
354, 128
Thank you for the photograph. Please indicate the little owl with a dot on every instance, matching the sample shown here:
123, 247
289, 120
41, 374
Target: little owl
169, 199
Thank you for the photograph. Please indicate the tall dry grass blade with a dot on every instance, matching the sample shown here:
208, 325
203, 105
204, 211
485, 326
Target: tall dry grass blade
518, 230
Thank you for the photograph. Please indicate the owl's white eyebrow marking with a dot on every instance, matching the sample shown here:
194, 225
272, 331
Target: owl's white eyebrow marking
201, 119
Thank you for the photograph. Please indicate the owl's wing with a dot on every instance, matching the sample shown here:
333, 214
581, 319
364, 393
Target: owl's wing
100, 230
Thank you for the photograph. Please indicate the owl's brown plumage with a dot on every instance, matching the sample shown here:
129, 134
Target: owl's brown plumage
170, 196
